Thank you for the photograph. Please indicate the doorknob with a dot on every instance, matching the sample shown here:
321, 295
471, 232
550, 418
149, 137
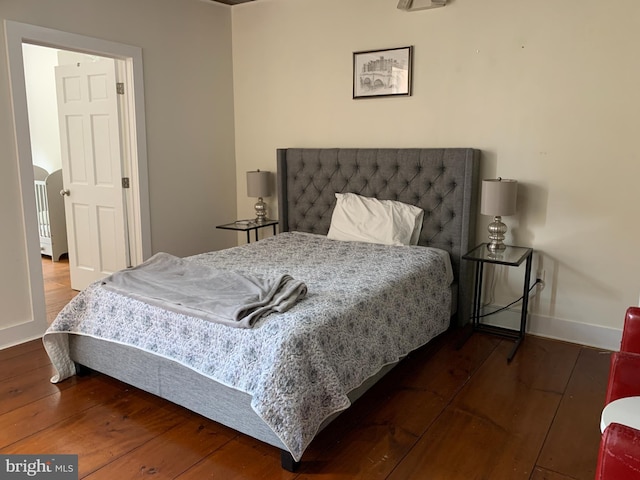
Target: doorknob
64, 192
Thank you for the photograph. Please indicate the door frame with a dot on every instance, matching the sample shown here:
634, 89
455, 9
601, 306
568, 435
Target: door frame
129, 59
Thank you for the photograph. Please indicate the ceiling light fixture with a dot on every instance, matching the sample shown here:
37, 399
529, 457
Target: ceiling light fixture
413, 5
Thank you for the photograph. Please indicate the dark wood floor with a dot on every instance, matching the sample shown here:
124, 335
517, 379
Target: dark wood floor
443, 413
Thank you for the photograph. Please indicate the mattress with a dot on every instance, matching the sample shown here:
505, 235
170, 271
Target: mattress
367, 306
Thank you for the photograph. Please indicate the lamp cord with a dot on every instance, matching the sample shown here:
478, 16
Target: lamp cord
512, 303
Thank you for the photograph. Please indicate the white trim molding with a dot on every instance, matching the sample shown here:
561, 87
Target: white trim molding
575, 332
570, 331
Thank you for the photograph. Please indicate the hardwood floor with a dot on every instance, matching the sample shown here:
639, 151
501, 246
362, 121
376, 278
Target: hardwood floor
443, 413
57, 285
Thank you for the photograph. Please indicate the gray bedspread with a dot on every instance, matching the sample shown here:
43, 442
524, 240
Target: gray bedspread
367, 306
231, 298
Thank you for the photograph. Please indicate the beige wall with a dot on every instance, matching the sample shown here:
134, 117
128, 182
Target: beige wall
40, 84
186, 48
547, 90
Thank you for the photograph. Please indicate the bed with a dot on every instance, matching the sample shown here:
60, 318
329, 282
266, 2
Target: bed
50, 213
368, 305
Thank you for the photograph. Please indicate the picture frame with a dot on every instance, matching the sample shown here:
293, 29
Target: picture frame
382, 73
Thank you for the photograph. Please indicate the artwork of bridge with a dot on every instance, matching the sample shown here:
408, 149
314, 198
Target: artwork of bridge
375, 80
382, 72
387, 79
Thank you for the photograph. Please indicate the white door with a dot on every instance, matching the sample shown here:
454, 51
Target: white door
92, 170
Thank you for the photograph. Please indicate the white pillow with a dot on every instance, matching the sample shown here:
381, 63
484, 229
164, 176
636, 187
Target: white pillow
363, 219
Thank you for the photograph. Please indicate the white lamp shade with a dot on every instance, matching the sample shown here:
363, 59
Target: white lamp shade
498, 197
258, 184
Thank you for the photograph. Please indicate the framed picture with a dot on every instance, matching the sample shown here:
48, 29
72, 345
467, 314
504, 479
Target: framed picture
378, 73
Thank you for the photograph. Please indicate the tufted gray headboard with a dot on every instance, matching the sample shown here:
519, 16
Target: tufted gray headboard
443, 182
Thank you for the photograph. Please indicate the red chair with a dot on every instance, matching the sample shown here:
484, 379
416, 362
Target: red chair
631, 332
619, 454
624, 372
624, 376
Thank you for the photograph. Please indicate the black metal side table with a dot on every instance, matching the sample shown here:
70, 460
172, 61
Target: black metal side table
512, 256
248, 225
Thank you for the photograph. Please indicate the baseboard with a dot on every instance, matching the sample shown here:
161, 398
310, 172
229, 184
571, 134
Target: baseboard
595, 336
575, 332
11, 339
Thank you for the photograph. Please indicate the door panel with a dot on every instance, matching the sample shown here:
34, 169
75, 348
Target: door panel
81, 228
92, 172
102, 150
107, 221
77, 171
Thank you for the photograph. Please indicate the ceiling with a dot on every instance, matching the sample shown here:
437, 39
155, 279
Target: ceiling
232, 2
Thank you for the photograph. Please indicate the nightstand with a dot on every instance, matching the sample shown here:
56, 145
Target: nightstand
248, 225
512, 256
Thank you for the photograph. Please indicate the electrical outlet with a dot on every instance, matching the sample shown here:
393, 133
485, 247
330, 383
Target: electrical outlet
540, 278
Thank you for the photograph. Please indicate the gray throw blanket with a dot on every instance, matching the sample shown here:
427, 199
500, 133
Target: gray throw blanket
197, 290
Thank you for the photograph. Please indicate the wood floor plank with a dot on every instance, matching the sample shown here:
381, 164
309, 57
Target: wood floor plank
415, 391
496, 425
21, 349
446, 372
20, 364
169, 454
502, 391
102, 433
366, 451
57, 286
26, 421
574, 438
458, 446
24, 389
543, 474
388, 420
56, 272
240, 459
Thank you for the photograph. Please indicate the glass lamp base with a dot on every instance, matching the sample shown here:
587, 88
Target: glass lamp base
497, 229
261, 210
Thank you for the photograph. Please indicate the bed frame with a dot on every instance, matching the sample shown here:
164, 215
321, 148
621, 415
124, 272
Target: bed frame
444, 182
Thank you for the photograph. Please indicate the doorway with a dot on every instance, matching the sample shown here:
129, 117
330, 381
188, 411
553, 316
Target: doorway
130, 61
41, 66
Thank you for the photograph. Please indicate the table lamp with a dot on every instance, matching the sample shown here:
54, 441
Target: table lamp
498, 200
258, 186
